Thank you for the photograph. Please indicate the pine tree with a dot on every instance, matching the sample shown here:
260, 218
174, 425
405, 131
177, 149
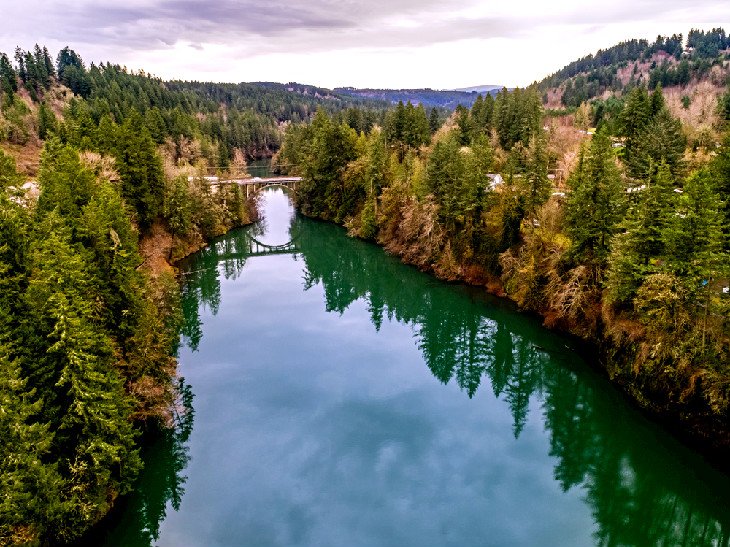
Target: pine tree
8, 77
657, 101
30, 485
535, 186
433, 121
140, 168
637, 248
661, 141
463, 122
82, 389
720, 169
47, 122
634, 119
692, 236
20, 61
65, 183
67, 58
106, 231
595, 203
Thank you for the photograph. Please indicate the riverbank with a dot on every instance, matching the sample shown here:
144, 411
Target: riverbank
396, 400
688, 416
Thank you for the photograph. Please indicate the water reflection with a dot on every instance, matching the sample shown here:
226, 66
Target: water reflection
136, 522
643, 488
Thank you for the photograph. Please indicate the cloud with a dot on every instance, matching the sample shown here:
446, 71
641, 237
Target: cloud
524, 39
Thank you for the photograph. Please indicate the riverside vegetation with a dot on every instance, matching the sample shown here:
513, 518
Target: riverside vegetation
630, 251
90, 308
633, 258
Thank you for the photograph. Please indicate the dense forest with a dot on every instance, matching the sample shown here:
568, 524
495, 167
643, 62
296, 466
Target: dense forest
627, 247
429, 98
102, 186
664, 62
91, 309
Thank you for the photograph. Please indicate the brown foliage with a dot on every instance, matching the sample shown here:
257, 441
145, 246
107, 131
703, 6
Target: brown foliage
416, 236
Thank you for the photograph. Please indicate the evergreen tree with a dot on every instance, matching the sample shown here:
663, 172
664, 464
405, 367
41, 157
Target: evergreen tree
47, 122
30, 485
140, 169
66, 185
595, 203
67, 58
534, 185
636, 249
657, 101
463, 122
635, 117
434, 122
85, 397
720, 169
20, 61
8, 77
692, 236
661, 141
106, 231
331, 148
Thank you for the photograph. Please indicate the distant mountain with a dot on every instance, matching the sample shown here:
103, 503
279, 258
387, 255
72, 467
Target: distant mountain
429, 98
480, 89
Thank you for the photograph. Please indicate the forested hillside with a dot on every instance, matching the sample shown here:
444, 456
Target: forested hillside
669, 61
619, 237
429, 98
107, 190
218, 124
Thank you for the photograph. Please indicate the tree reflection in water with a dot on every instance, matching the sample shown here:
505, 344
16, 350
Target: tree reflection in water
642, 486
136, 522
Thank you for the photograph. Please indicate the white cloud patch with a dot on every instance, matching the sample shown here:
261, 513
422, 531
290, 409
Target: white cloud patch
332, 42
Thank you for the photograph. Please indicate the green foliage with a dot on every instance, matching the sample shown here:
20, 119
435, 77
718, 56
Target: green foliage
692, 237
652, 135
83, 348
707, 44
83, 392
8, 175
140, 169
720, 169
30, 486
595, 204
534, 185
407, 125
66, 185
517, 116
433, 120
17, 121
482, 112
332, 147
47, 123
638, 247
8, 77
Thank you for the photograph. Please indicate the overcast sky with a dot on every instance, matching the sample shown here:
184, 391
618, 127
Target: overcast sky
375, 43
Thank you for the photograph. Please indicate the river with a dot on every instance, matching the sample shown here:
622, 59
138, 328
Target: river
339, 398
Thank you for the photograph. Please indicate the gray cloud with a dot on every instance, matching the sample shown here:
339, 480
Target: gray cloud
113, 30
311, 24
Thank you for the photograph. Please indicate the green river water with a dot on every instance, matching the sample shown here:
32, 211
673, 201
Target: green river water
338, 398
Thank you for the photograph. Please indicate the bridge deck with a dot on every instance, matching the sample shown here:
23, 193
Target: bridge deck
258, 180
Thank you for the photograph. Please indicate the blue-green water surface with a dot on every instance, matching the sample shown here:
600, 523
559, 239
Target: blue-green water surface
342, 399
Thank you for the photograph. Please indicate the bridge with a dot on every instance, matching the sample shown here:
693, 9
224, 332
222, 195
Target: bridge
256, 248
256, 184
